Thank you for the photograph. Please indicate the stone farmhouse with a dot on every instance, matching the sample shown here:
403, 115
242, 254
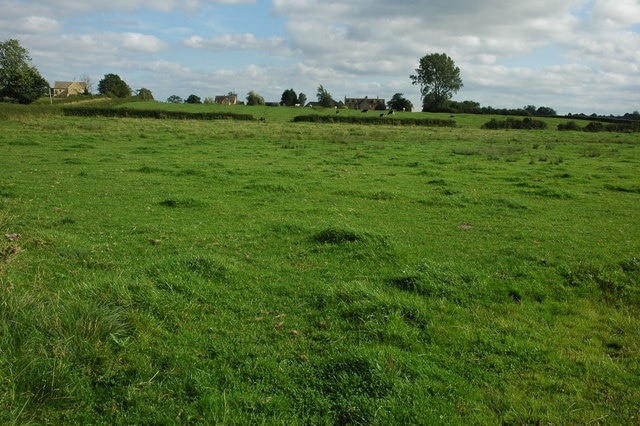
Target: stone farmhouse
62, 89
364, 103
226, 100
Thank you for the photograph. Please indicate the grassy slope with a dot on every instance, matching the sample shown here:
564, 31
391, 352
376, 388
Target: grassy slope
293, 273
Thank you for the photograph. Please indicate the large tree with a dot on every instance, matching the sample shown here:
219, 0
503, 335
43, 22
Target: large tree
254, 99
289, 97
399, 103
113, 86
302, 99
438, 78
193, 99
324, 97
144, 94
19, 80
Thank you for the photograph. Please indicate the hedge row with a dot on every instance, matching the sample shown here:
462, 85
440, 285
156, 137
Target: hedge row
160, 114
513, 123
316, 118
597, 126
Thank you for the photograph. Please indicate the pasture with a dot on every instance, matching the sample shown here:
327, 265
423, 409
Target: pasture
227, 272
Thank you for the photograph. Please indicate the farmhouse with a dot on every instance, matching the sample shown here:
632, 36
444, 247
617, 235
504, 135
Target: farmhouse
364, 103
226, 99
62, 89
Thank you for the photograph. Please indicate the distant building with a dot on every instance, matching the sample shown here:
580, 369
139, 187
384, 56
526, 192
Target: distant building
226, 100
364, 103
62, 89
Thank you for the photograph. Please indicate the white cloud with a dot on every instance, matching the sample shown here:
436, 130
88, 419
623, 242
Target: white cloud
139, 42
615, 14
246, 41
37, 25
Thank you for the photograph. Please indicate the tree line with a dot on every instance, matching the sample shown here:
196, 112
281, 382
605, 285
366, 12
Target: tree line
437, 76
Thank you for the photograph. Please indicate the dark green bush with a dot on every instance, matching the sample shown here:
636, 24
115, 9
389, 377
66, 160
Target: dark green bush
160, 114
594, 126
513, 123
316, 118
569, 126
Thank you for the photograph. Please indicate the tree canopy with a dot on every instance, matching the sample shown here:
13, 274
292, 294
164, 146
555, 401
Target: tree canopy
399, 103
289, 97
302, 99
193, 99
112, 85
19, 80
324, 97
438, 78
254, 99
145, 94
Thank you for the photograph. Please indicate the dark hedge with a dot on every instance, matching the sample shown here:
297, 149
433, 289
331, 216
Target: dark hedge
316, 118
159, 114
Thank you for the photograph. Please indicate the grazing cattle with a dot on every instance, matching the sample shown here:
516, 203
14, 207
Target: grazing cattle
337, 111
382, 115
391, 112
364, 110
262, 119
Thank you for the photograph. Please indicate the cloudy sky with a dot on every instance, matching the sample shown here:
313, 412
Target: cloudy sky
571, 55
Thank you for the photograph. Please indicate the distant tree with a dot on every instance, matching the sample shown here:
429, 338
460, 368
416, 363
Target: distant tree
438, 78
88, 84
254, 99
530, 109
399, 103
193, 99
635, 115
324, 97
208, 100
174, 99
545, 111
113, 86
144, 94
19, 80
302, 99
289, 97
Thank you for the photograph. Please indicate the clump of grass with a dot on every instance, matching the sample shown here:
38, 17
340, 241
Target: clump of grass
438, 281
181, 202
337, 236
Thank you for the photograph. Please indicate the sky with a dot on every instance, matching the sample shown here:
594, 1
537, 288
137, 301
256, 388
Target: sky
571, 55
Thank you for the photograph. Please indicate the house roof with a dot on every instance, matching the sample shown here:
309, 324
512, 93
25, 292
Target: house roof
62, 84
66, 84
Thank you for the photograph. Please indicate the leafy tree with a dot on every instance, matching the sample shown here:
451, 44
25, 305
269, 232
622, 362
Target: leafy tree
88, 84
208, 100
399, 103
635, 115
193, 99
174, 99
324, 97
545, 111
113, 86
19, 81
438, 78
302, 99
254, 99
144, 94
530, 109
289, 97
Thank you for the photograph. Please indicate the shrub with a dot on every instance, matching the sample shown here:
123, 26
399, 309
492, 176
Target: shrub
569, 126
316, 118
512, 123
594, 126
161, 114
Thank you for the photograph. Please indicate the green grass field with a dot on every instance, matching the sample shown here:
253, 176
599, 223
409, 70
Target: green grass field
226, 272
